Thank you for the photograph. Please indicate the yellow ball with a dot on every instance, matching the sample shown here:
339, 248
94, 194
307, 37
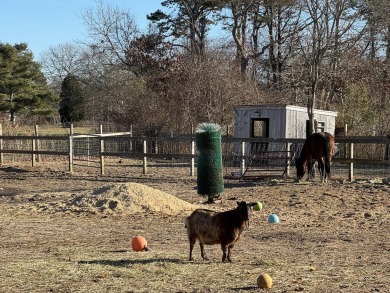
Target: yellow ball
264, 281
258, 206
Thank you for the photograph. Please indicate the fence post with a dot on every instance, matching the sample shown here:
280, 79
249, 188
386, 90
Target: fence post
193, 158
346, 144
32, 153
71, 149
350, 173
145, 170
1, 145
131, 141
37, 144
288, 149
88, 152
242, 158
101, 151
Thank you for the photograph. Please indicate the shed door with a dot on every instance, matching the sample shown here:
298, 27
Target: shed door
259, 129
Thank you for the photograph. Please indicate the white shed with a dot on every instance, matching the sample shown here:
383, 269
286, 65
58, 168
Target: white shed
279, 121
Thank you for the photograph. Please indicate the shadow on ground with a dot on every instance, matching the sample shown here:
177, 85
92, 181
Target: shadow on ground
129, 262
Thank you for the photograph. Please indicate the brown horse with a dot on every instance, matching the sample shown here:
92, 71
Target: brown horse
317, 146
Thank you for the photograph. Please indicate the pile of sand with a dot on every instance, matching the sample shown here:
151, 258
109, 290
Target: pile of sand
126, 198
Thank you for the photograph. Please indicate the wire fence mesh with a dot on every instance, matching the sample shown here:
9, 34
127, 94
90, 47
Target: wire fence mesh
370, 155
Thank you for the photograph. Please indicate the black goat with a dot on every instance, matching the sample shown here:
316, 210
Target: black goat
210, 227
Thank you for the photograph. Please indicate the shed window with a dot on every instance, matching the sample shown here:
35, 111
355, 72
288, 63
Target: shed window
260, 127
320, 126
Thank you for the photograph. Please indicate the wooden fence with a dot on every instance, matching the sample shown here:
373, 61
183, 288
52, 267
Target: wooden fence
237, 152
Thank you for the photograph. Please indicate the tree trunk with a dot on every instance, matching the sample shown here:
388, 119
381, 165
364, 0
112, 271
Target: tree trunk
388, 43
310, 113
12, 111
12, 117
312, 97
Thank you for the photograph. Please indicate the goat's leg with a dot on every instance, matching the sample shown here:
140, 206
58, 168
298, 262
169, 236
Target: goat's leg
192, 241
230, 247
203, 252
224, 248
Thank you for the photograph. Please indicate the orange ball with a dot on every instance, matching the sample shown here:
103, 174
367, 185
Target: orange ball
264, 281
139, 243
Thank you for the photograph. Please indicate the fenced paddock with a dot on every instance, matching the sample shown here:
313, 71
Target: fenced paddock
355, 157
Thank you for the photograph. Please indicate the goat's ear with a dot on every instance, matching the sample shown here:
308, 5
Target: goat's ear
252, 204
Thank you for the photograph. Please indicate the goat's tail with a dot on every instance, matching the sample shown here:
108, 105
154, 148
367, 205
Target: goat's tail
186, 223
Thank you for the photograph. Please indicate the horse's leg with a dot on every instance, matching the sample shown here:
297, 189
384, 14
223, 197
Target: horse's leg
312, 171
327, 169
329, 152
309, 168
321, 168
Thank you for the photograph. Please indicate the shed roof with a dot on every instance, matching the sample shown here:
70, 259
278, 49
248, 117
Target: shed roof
286, 107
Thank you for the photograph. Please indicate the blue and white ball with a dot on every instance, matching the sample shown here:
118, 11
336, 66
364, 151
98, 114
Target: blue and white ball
273, 219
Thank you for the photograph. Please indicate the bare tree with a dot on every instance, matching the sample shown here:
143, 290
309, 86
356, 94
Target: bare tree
283, 25
377, 16
188, 21
331, 31
59, 61
207, 91
264, 33
112, 31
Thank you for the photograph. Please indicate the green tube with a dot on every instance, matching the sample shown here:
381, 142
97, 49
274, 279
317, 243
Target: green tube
209, 168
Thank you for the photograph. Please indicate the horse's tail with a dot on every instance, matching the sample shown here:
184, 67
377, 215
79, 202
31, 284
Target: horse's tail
328, 155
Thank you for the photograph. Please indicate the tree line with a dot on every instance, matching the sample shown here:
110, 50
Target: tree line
197, 59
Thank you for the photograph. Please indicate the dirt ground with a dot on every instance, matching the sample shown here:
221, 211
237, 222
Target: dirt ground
72, 233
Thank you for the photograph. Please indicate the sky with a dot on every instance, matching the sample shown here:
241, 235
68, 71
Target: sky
46, 23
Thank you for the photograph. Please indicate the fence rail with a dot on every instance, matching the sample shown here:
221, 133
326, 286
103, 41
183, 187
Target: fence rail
237, 152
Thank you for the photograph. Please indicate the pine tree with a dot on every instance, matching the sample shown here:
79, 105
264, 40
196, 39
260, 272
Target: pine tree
23, 87
72, 100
